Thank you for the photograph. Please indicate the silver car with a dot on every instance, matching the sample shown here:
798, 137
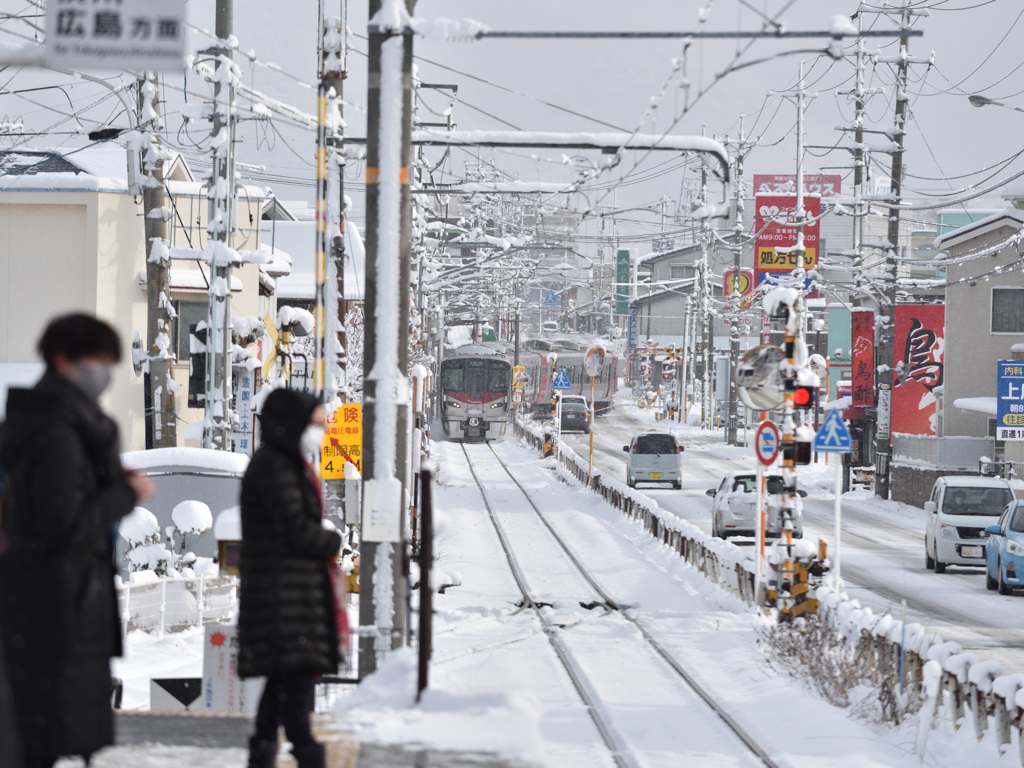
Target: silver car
654, 458
734, 511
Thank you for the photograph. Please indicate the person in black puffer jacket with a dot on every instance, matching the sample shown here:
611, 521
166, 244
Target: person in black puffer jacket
65, 491
287, 624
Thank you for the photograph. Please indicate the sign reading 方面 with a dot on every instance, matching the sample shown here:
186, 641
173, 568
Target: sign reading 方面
131, 35
1010, 400
343, 441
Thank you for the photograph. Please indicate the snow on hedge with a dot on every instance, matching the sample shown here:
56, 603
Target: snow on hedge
192, 517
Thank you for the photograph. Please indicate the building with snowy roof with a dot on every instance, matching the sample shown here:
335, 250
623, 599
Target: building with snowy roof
74, 240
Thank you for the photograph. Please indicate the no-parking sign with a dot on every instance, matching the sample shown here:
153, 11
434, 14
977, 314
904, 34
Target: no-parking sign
766, 443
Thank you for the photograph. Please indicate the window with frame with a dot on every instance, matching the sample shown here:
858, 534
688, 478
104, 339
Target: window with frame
679, 271
1008, 310
190, 314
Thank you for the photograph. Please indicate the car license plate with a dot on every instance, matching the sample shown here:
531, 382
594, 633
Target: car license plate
971, 551
655, 475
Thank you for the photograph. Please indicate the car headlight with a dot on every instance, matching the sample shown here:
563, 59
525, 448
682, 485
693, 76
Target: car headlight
947, 531
1014, 548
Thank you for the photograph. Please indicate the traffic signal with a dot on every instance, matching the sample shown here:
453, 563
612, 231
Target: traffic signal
668, 372
805, 397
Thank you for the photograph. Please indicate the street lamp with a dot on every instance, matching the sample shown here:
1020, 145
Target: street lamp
977, 100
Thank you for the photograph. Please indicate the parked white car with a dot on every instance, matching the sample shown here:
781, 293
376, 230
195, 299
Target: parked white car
960, 509
734, 511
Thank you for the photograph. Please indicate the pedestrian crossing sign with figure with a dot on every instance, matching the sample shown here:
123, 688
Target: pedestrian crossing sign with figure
561, 381
833, 436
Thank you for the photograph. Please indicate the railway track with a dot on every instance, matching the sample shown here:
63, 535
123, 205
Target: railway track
546, 583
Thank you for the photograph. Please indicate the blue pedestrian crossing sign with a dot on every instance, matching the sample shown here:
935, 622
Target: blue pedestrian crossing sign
833, 437
551, 300
561, 380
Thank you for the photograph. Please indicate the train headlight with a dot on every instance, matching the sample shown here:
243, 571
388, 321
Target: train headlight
495, 405
453, 404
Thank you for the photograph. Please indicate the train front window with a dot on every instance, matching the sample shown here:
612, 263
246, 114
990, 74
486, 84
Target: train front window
451, 377
499, 377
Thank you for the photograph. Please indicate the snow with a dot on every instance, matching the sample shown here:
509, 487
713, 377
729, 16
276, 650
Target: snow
198, 458
986, 405
228, 526
296, 316
138, 526
192, 516
298, 240
197, 280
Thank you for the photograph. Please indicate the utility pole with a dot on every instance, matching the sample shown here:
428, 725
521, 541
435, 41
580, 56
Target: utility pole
220, 227
386, 389
329, 342
792, 312
885, 323
734, 331
704, 307
161, 415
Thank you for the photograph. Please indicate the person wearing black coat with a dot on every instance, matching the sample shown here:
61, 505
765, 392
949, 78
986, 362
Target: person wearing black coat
65, 490
287, 626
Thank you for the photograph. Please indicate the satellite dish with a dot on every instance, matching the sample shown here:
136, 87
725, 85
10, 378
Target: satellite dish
758, 379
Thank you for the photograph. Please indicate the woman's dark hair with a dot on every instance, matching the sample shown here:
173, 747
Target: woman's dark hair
78, 336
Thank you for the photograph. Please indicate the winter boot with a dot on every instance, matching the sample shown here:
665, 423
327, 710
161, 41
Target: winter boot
310, 755
262, 754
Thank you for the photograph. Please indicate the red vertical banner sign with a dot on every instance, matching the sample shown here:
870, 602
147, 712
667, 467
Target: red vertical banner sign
918, 354
862, 332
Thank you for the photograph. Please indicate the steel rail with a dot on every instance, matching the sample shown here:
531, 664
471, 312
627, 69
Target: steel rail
706, 697
621, 756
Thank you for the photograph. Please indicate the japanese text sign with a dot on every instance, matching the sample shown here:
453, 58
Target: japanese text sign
1010, 400
773, 220
622, 269
862, 375
918, 362
343, 441
823, 184
115, 34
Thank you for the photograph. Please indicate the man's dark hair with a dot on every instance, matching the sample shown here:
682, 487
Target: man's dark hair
78, 336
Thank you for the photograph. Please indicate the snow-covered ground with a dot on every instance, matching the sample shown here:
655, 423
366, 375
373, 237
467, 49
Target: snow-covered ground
882, 544
497, 687
494, 684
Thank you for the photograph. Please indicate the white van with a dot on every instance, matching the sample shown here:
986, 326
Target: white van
654, 458
959, 510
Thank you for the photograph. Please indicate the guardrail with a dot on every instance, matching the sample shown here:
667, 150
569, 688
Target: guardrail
173, 604
885, 651
720, 561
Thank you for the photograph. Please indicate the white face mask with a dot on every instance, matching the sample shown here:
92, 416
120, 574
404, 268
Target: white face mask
311, 441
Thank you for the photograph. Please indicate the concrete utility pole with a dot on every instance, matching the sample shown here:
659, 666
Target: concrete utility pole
329, 370
220, 227
737, 252
161, 416
704, 308
386, 389
885, 322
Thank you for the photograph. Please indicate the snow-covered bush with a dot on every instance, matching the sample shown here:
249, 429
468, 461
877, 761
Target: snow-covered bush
191, 518
141, 532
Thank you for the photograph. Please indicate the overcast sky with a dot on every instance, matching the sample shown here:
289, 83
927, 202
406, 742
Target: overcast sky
613, 82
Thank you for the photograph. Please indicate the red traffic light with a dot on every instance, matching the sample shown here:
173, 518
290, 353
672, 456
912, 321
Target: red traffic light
803, 397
